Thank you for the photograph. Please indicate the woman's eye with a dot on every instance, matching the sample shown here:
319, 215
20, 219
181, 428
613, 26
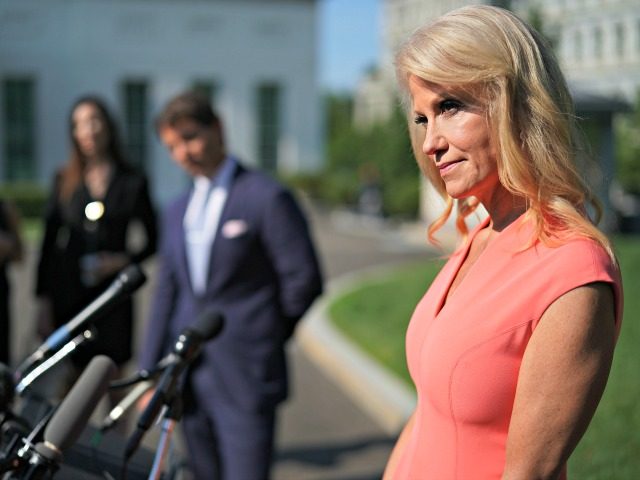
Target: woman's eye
420, 120
450, 106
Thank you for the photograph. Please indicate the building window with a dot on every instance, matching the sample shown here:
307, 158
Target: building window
135, 122
619, 40
19, 128
207, 88
597, 43
268, 125
577, 46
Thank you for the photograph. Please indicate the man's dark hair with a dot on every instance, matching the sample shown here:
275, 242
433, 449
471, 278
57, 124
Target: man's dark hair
187, 106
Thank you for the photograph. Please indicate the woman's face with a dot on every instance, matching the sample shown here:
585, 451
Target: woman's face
90, 130
456, 139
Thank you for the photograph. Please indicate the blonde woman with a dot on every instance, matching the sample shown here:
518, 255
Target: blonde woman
510, 349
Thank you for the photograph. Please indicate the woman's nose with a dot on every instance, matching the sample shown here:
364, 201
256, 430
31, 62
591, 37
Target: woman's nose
433, 142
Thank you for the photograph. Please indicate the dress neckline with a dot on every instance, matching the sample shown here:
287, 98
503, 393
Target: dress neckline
462, 253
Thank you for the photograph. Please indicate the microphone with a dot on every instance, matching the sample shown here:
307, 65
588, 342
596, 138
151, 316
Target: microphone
187, 347
70, 419
62, 353
127, 281
143, 375
125, 404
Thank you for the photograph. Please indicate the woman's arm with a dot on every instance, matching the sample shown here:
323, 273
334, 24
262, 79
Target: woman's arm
398, 449
563, 374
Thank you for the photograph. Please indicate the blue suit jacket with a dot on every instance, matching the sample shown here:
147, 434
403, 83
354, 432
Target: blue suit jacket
263, 276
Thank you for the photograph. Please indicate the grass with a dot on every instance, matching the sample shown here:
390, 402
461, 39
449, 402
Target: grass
611, 447
376, 315
32, 230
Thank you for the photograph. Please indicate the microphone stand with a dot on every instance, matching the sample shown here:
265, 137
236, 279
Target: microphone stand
172, 415
39, 466
12, 461
142, 375
166, 394
14, 428
24, 457
144, 380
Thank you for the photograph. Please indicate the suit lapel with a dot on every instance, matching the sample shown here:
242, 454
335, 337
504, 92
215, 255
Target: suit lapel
216, 259
180, 241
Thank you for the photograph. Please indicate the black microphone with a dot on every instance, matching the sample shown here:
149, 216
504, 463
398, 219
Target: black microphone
144, 375
70, 419
127, 281
187, 347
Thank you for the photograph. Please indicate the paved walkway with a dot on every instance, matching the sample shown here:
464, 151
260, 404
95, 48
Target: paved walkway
324, 434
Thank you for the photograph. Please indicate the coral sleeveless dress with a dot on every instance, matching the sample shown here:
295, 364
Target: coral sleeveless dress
464, 355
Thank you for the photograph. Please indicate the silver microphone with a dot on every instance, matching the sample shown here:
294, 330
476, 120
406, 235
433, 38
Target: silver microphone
125, 404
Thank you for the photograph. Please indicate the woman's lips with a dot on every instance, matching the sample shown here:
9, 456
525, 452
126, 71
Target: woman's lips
447, 167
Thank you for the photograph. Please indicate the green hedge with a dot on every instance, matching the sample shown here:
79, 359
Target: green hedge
29, 198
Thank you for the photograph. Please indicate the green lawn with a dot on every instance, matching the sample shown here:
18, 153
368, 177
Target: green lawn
32, 230
376, 314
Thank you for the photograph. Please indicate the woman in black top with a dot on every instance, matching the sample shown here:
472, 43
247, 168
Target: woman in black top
95, 198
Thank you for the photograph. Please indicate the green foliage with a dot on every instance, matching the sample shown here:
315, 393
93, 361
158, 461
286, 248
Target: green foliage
29, 198
383, 151
627, 132
309, 183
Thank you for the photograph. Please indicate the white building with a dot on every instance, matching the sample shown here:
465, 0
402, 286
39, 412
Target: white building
257, 59
375, 96
598, 43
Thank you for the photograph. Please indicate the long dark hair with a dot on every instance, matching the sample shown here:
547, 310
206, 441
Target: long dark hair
71, 174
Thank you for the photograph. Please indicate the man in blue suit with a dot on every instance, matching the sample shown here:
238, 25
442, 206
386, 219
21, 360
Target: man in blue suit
236, 242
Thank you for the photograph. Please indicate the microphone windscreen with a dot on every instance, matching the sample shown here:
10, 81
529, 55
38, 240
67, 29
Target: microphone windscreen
208, 325
131, 278
71, 417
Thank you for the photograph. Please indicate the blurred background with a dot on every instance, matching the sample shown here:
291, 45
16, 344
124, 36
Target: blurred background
306, 90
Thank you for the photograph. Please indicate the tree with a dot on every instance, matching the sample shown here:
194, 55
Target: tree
627, 133
384, 148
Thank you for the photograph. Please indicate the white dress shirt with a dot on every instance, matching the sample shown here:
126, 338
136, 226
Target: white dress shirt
201, 221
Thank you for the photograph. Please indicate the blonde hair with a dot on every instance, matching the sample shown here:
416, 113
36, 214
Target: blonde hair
529, 112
